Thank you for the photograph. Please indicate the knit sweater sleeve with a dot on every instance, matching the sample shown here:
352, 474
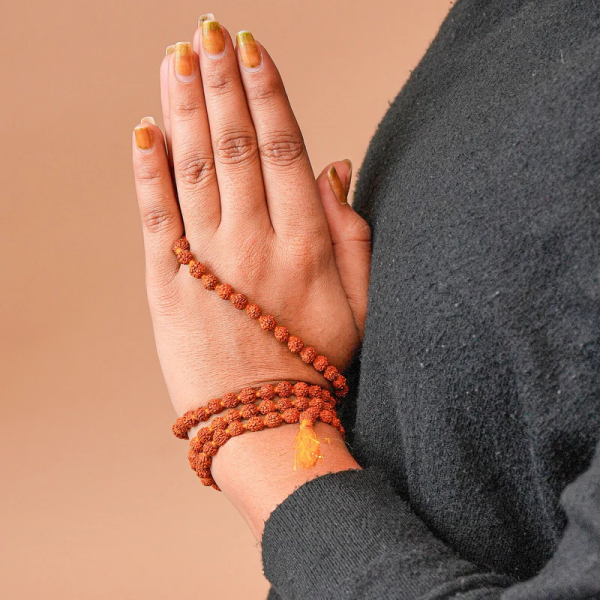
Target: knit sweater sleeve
347, 535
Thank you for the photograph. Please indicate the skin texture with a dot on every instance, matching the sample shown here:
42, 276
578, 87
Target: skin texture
237, 179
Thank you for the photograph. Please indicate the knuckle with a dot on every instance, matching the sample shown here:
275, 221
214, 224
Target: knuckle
236, 148
306, 254
267, 93
218, 83
150, 173
359, 231
186, 107
194, 170
157, 219
283, 150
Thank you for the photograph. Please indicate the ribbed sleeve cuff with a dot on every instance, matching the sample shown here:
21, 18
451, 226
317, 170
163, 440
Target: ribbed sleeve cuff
347, 535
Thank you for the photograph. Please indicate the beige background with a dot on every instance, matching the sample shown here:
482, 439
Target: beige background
97, 499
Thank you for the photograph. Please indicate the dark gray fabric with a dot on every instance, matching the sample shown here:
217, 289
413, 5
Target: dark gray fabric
477, 413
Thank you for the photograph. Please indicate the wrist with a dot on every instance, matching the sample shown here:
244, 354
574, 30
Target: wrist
256, 472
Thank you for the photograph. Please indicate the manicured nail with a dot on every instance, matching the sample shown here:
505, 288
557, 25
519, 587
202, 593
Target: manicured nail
148, 120
143, 137
213, 41
205, 17
249, 53
170, 49
349, 176
336, 185
184, 62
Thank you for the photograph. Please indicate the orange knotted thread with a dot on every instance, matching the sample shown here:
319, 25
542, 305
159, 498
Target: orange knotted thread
308, 446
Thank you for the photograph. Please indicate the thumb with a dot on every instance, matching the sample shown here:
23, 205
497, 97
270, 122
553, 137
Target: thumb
350, 235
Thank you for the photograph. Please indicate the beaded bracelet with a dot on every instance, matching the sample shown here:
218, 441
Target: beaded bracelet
308, 354
311, 403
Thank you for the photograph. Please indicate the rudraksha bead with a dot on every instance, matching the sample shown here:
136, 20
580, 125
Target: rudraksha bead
190, 419
315, 391
247, 395
209, 281
266, 392
308, 354
291, 415
284, 404
218, 423
209, 449
214, 406
224, 290
205, 434
295, 344
339, 382
331, 373
184, 256
253, 311
196, 444
301, 403
182, 244
300, 389
239, 301
336, 422
313, 412
267, 322
320, 363
281, 333
255, 424
326, 415
235, 428
204, 473
197, 269
343, 392
230, 400
203, 413
329, 404
180, 429
249, 410
232, 415
283, 389
266, 406
202, 461
220, 436
273, 419
307, 416
208, 481
316, 403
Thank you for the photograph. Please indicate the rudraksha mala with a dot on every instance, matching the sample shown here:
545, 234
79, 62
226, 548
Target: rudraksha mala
310, 403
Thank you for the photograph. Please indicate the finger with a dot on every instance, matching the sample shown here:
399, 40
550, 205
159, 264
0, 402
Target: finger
193, 160
350, 235
288, 177
161, 219
164, 99
233, 136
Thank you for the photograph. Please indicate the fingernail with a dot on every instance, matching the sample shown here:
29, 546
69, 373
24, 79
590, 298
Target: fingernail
148, 120
205, 17
349, 176
143, 138
336, 185
249, 53
213, 41
170, 49
184, 62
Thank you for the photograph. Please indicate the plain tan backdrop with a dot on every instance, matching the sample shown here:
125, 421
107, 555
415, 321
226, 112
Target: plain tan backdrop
97, 499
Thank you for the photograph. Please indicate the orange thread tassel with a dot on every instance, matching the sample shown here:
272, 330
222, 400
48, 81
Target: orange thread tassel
307, 446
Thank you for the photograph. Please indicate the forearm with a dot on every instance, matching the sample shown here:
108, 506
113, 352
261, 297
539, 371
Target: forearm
256, 472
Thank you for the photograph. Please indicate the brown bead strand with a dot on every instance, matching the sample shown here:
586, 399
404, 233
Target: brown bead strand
308, 354
209, 439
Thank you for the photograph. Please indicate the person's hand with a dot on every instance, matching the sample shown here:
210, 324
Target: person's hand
243, 190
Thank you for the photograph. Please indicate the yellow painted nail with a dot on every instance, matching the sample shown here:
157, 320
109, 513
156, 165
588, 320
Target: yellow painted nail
349, 176
148, 120
184, 62
213, 40
170, 49
336, 185
250, 54
205, 17
143, 137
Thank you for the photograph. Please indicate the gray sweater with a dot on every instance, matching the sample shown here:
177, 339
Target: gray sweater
476, 406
